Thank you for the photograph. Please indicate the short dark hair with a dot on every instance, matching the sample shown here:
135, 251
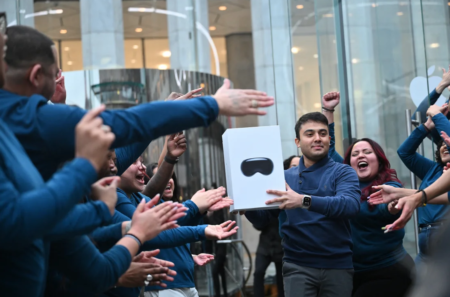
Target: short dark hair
26, 47
309, 117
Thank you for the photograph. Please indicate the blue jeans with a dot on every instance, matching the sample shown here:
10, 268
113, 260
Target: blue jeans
426, 237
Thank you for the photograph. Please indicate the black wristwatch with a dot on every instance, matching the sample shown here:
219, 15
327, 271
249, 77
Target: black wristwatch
171, 161
306, 203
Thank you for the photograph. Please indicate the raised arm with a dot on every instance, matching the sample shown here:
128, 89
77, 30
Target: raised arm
175, 147
144, 122
329, 102
415, 162
433, 97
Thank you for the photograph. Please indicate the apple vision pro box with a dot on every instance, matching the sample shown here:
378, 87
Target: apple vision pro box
253, 165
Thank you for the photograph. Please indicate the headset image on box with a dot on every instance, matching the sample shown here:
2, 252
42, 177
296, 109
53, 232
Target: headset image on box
250, 167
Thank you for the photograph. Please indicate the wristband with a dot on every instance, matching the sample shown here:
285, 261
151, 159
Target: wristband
424, 199
426, 128
135, 238
171, 161
327, 109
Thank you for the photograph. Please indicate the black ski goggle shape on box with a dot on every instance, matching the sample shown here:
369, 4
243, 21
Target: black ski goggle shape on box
252, 166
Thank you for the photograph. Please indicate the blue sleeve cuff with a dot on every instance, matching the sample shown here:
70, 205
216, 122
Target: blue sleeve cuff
213, 104
192, 207
422, 129
201, 232
318, 204
448, 194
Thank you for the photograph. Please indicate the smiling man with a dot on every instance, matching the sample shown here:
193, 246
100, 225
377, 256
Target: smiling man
321, 196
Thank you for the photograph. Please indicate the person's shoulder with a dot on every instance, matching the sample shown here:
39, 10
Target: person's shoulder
122, 196
342, 169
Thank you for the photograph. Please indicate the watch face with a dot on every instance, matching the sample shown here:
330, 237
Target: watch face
306, 201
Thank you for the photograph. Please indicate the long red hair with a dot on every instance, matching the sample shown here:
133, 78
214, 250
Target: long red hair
385, 172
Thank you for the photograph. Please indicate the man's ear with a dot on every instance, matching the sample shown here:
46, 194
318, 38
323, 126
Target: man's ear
35, 73
297, 142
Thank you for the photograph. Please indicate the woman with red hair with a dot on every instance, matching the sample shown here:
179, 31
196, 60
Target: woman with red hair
382, 265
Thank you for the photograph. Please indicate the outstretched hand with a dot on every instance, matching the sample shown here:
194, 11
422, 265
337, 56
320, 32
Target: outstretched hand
386, 194
221, 204
202, 259
407, 205
205, 199
235, 102
221, 231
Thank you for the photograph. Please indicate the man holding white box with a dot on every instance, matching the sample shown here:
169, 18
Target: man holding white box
321, 196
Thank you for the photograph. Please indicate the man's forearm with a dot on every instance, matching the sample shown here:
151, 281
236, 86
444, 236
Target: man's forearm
159, 181
329, 115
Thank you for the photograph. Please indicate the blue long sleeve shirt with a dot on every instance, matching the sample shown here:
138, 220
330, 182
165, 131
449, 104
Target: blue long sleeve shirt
48, 143
319, 237
372, 249
427, 170
28, 209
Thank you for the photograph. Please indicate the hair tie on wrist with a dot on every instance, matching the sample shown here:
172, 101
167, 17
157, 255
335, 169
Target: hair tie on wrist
135, 238
327, 109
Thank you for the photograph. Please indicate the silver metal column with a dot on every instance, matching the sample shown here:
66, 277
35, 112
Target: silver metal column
413, 177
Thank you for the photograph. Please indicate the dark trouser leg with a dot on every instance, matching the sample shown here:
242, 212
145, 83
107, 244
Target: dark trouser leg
336, 283
261, 264
280, 285
300, 281
392, 281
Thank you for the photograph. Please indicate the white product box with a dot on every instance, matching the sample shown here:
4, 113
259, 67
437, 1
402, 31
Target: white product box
253, 165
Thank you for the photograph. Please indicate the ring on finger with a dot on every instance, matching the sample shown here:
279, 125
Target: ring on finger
106, 128
149, 277
254, 103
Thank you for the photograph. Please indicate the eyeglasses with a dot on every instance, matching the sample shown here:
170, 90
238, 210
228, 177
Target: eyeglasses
3, 23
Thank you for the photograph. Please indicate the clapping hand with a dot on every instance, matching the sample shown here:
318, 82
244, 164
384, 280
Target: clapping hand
206, 199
